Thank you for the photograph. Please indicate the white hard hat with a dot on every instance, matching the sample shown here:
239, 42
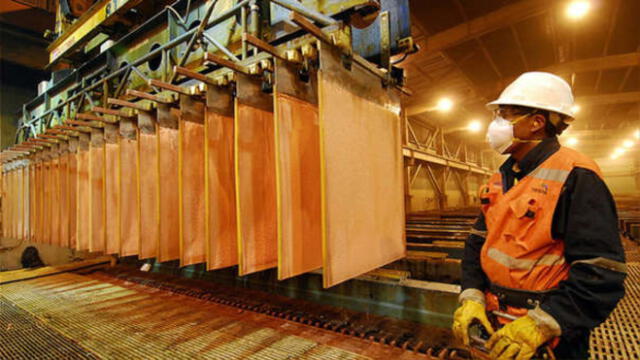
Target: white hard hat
539, 90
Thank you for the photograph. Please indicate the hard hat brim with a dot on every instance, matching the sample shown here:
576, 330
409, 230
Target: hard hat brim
493, 105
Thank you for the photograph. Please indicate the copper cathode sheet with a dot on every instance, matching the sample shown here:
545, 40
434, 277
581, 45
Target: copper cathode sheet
223, 248
72, 186
363, 188
83, 199
129, 210
256, 198
111, 199
298, 157
6, 188
63, 186
32, 200
40, 201
47, 204
148, 196
96, 171
192, 190
169, 243
55, 201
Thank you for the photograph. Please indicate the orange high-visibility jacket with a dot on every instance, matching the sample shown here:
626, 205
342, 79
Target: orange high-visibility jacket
519, 251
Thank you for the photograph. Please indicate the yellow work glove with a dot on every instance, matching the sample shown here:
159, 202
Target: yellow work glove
463, 317
519, 340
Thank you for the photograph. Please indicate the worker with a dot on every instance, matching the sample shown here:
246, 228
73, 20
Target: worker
545, 249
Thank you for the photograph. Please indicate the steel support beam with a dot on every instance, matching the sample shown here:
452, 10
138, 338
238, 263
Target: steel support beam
474, 28
606, 99
595, 64
433, 158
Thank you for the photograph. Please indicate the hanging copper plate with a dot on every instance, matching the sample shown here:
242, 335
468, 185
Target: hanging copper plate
96, 174
128, 202
221, 199
298, 166
148, 186
83, 198
255, 177
192, 228
169, 237
72, 186
362, 168
112, 221
63, 176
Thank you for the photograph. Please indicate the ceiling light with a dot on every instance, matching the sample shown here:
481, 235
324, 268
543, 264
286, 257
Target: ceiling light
578, 9
614, 156
637, 134
572, 141
444, 104
474, 126
575, 109
627, 143
619, 151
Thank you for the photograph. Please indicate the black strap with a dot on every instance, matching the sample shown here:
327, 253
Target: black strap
517, 297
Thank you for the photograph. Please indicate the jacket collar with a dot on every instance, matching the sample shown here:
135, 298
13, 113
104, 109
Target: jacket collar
512, 169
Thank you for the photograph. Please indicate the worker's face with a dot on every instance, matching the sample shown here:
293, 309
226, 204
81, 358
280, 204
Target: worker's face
526, 127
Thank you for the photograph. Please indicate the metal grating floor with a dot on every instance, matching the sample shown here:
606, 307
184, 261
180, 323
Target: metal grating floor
618, 338
117, 319
24, 337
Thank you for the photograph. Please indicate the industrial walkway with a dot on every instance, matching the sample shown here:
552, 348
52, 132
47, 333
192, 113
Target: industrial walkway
96, 315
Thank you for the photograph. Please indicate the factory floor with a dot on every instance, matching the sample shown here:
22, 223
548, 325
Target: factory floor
92, 314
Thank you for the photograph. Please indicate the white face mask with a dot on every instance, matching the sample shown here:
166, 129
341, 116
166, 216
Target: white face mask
500, 133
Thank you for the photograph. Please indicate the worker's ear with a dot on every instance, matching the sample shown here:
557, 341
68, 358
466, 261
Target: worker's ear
537, 123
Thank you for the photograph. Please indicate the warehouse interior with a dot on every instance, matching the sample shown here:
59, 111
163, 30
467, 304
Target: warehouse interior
287, 179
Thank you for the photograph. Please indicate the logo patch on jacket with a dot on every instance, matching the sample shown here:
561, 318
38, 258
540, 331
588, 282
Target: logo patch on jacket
542, 189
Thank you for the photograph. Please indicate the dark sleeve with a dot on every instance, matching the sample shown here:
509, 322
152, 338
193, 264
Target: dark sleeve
586, 219
472, 274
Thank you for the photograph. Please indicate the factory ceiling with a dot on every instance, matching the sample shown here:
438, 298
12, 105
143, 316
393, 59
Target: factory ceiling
22, 25
470, 50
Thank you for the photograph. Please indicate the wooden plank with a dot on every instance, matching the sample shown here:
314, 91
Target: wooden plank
255, 177
83, 208
169, 239
221, 231
298, 172
191, 170
149, 199
363, 206
241, 69
146, 96
194, 75
112, 208
138, 105
128, 189
97, 238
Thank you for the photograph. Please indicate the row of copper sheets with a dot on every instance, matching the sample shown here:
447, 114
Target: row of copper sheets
306, 177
